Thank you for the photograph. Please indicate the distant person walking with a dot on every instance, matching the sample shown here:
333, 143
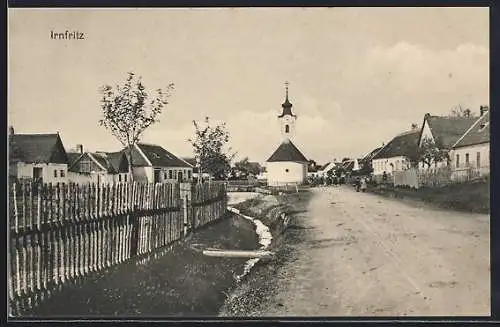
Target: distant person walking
363, 184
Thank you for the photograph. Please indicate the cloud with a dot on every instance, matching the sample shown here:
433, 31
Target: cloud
412, 68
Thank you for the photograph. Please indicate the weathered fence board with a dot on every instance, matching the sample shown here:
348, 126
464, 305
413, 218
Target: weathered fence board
62, 232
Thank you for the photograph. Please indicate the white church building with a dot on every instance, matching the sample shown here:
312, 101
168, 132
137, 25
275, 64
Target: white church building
287, 165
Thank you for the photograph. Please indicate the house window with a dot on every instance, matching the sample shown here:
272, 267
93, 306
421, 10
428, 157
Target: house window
61, 173
466, 159
457, 164
287, 129
165, 175
85, 166
119, 178
189, 174
170, 174
478, 159
125, 178
55, 173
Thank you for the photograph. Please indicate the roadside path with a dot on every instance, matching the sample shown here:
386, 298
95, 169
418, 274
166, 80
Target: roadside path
365, 255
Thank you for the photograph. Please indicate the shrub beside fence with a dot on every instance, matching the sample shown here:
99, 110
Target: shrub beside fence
59, 233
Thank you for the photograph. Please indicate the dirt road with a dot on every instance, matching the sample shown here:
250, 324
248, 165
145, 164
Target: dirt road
364, 255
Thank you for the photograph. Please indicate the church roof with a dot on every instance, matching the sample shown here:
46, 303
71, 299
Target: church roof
287, 151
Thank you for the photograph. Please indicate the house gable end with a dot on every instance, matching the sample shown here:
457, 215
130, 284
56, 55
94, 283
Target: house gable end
59, 154
426, 132
86, 157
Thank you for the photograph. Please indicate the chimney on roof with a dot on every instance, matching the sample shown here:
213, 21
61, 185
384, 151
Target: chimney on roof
483, 110
11, 130
414, 126
79, 148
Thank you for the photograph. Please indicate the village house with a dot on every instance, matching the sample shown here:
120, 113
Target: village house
443, 132
397, 154
97, 167
471, 152
287, 165
366, 161
192, 162
152, 163
324, 170
38, 157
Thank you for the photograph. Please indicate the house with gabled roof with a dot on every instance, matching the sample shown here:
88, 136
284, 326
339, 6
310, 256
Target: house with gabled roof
152, 163
472, 149
40, 157
98, 167
397, 154
443, 132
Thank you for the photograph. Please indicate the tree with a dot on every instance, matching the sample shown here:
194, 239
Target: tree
247, 167
461, 111
209, 150
128, 110
429, 152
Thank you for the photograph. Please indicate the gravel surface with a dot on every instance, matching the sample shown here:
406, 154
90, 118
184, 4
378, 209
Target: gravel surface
359, 254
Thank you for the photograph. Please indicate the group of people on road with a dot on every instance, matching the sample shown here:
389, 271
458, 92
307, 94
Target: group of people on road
360, 184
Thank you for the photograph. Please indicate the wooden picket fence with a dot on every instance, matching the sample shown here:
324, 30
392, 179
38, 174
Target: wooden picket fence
60, 233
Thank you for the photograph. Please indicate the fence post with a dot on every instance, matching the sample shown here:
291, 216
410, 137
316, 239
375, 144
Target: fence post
134, 240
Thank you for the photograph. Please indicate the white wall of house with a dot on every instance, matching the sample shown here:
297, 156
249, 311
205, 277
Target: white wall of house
285, 172
474, 153
170, 174
166, 174
389, 165
426, 133
51, 172
100, 178
143, 174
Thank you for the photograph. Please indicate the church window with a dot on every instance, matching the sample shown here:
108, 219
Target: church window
287, 129
287, 168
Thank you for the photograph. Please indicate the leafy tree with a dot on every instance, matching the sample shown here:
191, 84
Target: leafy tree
209, 150
247, 167
429, 152
128, 110
312, 165
461, 111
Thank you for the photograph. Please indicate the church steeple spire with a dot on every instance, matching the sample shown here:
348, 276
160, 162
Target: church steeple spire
287, 106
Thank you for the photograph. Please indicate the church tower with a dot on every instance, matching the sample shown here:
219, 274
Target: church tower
287, 118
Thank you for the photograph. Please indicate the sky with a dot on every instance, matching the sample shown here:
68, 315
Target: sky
358, 76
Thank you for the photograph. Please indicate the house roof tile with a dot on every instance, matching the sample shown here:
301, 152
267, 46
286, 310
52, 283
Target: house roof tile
73, 157
478, 133
31, 148
447, 130
157, 155
287, 151
405, 144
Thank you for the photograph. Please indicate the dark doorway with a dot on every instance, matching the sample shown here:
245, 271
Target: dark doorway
157, 176
37, 174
